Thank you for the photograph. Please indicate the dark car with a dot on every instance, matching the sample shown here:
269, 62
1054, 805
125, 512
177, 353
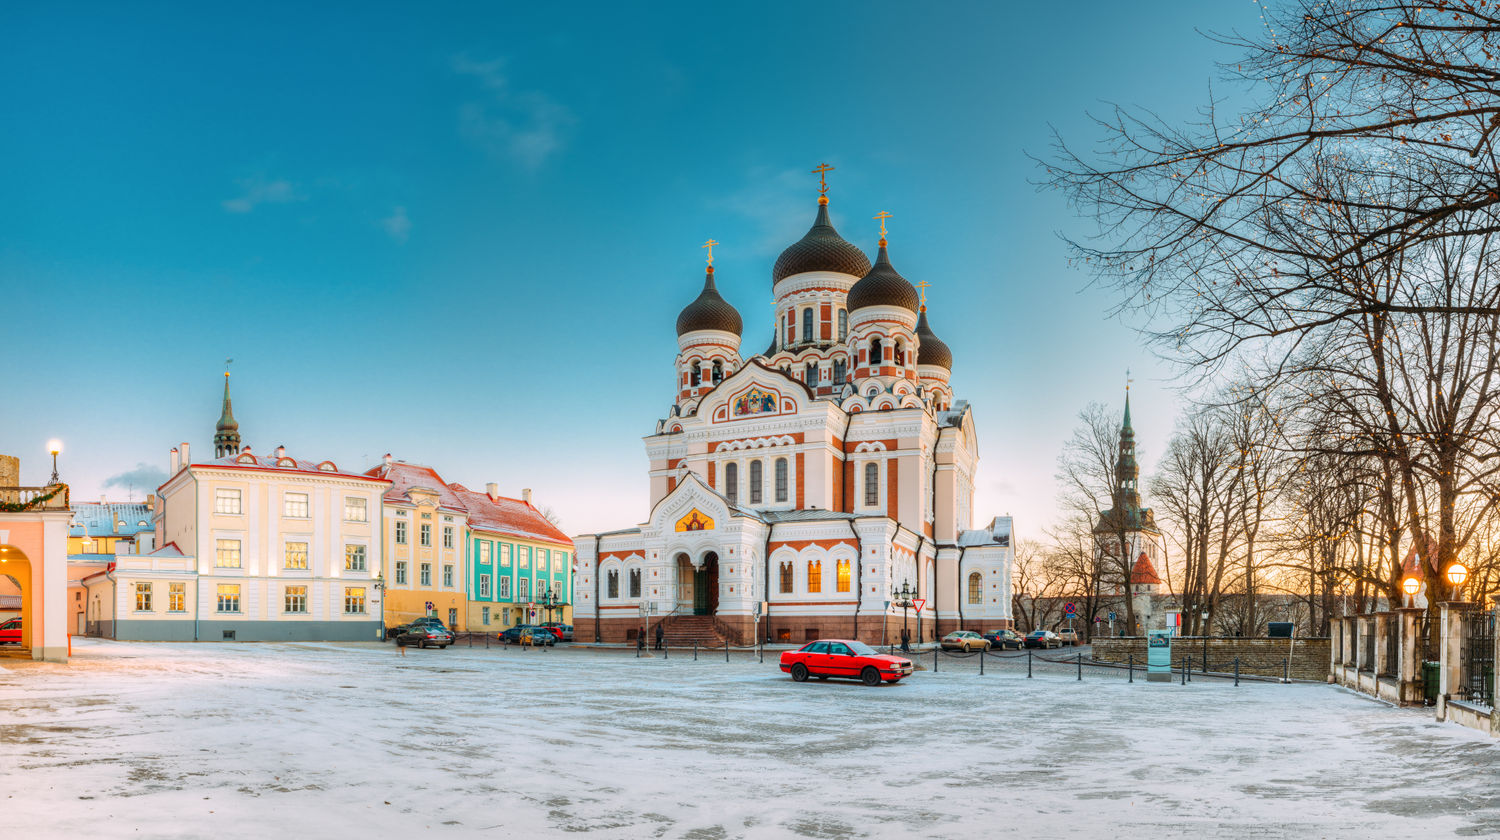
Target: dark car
1004, 639
1043, 639
425, 632
537, 634
564, 631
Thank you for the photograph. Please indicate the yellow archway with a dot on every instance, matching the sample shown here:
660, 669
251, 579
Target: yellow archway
15, 565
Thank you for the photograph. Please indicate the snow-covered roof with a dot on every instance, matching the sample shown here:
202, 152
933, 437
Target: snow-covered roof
810, 515
247, 460
109, 519
406, 477
510, 517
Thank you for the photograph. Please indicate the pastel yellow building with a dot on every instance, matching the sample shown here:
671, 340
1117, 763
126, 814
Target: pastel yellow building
424, 526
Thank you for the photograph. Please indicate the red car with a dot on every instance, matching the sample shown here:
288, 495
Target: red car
10, 631
842, 658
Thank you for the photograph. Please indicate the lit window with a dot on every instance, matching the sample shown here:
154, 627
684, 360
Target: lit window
296, 555
226, 501
504, 593
295, 505
400, 532
976, 589
401, 572
355, 509
523, 556
447, 536
872, 484
354, 558
504, 555
227, 554
177, 597
484, 586
814, 576
426, 574
781, 479
843, 576
448, 575
484, 552
229, 597
143, 597
295, 600
354, 600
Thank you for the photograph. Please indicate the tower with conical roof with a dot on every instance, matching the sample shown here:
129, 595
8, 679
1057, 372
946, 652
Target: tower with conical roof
227, 433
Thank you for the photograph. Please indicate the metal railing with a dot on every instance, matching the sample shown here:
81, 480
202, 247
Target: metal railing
1391, 658
1477, 659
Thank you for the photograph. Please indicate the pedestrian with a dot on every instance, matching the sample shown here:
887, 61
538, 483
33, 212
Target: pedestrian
659, 634
905, 640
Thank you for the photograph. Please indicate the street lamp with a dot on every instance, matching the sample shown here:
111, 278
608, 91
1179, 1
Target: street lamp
1457, 574
379, 586
1203, 613
54, 446
903, 598
1410, 587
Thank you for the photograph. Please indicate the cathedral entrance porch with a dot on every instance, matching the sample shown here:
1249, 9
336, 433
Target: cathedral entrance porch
698, 584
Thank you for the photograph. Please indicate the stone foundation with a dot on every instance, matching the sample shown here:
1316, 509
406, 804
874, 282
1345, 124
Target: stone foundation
1258, 657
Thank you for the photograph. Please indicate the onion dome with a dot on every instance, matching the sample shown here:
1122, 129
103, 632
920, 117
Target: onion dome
822, 249
709, 312
883, 286
930, 349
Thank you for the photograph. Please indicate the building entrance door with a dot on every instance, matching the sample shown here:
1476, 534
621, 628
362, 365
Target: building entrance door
706, 586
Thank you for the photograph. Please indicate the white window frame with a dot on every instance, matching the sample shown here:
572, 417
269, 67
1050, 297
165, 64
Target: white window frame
356, 552
400, 532
425, 535
447, 575
447, 536
143, 591
350, 594
291, 503
223, 548
424, 572
503, 590
288, 552
287, 594
227, 593
356, 509
400, 572
484, 586
226, 498
176, 597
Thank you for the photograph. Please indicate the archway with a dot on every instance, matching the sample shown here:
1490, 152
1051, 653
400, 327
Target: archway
15, 567
706, 585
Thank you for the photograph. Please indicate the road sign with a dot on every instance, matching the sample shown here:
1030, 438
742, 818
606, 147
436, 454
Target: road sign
1070, 608
918, 603
429, 605
1111, 615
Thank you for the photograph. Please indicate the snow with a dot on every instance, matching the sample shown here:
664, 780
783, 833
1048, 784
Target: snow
315, 740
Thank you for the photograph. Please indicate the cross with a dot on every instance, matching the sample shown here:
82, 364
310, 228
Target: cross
1128, 380
821, 171
882, 216
227, 363
710, 246
922, 286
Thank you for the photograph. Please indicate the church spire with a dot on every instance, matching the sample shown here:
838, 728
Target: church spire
1127, 471
227, 433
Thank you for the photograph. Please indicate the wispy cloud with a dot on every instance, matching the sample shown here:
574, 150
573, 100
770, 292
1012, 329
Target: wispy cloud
527, 127
144, 479
777, 202
397, 225
260, 190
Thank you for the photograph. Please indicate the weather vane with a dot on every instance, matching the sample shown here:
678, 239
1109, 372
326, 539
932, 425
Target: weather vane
822, 171
710, 246
1128, 380
882, 216
227, 363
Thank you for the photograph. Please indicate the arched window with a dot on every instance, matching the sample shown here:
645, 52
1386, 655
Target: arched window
780, 479
812, 373
872, 484
614, 583
815, 576
840, 371
876, 352
900, 354
807, 324
732, 482
843, 324
697, 375
976, 588
635, 583
786, 576
843, 572
718, 371
755, 482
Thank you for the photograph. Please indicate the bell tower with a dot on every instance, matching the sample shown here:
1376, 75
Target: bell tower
227, 433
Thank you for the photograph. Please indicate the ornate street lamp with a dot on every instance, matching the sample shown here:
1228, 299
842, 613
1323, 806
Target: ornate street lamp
903, 598
1410, 587
54, 446
1457, 574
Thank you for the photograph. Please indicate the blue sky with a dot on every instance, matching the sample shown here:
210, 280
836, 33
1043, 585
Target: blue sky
461, 233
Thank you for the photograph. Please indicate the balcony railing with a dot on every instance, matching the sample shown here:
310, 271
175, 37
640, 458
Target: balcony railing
51, 497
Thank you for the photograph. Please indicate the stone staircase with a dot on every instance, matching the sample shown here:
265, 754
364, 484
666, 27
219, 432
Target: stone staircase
684, 630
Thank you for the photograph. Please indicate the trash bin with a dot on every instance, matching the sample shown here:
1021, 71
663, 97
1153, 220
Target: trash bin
1430, 682
1278, 629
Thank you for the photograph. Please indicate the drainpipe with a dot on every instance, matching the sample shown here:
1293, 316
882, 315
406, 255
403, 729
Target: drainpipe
961, 551
598, 636
859, 575
766, 558
921, 541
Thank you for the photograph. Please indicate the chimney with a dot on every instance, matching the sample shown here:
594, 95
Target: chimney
151, 501
387, 459
526, 495
175, 460
185, 459
281, 452
492, 489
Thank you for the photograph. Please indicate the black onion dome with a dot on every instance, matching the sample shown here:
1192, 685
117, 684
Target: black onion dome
822, 249
883, 286
930, 349
709, 312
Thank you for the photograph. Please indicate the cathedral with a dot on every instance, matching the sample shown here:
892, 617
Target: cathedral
821, 488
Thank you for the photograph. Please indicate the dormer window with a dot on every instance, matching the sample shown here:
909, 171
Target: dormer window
328, 466
246, 458
289, 463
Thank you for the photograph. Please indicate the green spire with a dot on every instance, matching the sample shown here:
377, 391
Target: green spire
227, 433
1126, 426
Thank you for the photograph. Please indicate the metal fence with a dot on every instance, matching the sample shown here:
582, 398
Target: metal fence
1392, 654
1477, 663
1366, 631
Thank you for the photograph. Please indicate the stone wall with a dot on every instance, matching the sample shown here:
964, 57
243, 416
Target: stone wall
10, 471
1260, 657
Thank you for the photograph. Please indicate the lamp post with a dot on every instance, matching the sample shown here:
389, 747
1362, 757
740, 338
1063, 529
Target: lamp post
379, 586
1410, 587
1457, 574
903, 598
549, 601
1204, 615
54, 446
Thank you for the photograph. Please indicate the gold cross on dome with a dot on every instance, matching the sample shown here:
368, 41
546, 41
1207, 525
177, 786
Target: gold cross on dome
922, 290
882, 216
822, 170
710, 246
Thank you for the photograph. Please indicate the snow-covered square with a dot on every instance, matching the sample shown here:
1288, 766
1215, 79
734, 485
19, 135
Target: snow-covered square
320, 740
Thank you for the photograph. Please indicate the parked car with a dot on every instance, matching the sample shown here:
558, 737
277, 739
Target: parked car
1043, 639
425, 632
1069, 636
1004, 639
964, 640
843, 658
10, 631
534, 634
564, 631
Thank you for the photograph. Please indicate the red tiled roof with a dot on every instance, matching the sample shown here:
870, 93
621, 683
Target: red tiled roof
405, 477
512, 517
271, 462
1143, 571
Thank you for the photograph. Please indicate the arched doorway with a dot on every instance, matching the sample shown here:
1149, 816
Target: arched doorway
706, 585
15, 567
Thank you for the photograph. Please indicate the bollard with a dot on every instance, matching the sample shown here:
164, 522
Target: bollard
1184, 671
1130, 666
982, 654
1236, 671
695, 650
1080, 666
1286, 670
726, 650
934, 660
664, 648
1187, 670
762, 653
1028, 663
486, 641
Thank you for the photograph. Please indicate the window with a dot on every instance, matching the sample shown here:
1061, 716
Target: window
524, 584
780, 479
840, 371
227, 554
542, 588
872, 484
484, 586
447, 536
732, 482
561, 560
177, 597
354, 600
976, 589
807, 324
227, 501
355, 510
143, 597
448, 575
400, 532
426, 574
843, 576
296, 555
295, 599
484, 615
843, 324
900, 354
504, 552
755, 482
718, 371
354, 558
541, 559
613, 589
401, 572
523, 556
635, 583
295, 505
504, 593
875, 352
229, 597
811, 375
426, 534
815, 576
484, 552
786, 577
695, 378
